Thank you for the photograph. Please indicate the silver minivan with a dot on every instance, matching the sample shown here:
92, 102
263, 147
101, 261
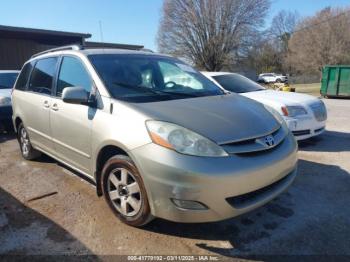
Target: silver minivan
156, 136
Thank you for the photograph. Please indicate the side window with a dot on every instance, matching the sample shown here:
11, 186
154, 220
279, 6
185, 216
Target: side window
73, 73
42, 76
24, 76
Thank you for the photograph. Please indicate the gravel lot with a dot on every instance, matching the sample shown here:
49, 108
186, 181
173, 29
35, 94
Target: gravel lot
312, 218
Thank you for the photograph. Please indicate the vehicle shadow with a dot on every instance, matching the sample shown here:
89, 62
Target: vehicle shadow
6, 136
299, 221
47, 159
329, 141
23, 231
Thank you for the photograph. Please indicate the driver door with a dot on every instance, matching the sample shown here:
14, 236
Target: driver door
71, 123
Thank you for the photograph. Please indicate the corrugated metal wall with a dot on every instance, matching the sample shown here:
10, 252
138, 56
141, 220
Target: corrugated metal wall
14, 52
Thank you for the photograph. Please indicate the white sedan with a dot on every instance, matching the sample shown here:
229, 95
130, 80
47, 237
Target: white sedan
305, 115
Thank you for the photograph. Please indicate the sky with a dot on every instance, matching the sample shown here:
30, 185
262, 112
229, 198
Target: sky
122, 21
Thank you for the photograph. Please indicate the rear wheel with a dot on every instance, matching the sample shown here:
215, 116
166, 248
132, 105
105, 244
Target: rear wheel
27, 150
124, 191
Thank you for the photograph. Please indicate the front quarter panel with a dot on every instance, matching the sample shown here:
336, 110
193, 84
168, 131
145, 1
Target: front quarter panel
118, 125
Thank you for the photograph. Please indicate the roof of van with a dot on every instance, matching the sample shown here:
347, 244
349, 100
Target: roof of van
95, 51
92, 50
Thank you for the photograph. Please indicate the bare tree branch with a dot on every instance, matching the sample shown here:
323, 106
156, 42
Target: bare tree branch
320, 40
209, 32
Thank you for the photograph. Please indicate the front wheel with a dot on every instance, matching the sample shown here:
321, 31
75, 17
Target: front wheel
27, 150
124, 191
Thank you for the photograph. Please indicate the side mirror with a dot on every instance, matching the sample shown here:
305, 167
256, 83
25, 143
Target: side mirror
75, 95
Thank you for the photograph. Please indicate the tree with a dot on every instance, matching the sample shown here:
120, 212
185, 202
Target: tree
320, 40
209, 33
268, 51
264, 57
282, 27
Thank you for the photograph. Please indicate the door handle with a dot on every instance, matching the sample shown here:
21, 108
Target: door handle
46, 104
54, 107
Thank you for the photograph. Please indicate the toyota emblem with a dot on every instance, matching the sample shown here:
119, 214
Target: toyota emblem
269, 140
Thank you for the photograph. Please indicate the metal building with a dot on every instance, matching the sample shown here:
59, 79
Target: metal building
18, 44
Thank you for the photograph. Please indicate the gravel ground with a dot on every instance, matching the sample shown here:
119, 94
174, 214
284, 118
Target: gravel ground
46, 209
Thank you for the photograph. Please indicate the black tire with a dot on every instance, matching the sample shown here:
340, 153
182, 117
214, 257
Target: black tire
28, 152
279, 80
111, 168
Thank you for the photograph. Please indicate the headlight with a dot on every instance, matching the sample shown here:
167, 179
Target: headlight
5, 101
275, 113
182, 140
294, 111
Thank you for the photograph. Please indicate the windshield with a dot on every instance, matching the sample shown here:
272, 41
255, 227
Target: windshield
7, 80
237, 83
147, 78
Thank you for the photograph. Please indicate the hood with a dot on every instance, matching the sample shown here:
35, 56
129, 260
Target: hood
5, 92
223, 119
286, 98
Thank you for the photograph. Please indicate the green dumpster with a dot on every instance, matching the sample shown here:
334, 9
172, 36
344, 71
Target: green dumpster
336, 81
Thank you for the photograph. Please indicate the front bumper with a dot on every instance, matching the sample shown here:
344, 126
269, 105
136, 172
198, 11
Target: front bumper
305, 127
213, 182
5, 113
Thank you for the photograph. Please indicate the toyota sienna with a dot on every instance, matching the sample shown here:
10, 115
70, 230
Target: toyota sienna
158, 138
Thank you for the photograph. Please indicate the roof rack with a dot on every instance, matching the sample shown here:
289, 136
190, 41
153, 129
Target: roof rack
94, 45
61, 48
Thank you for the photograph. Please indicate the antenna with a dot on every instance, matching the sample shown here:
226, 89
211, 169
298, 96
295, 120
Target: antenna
101, 31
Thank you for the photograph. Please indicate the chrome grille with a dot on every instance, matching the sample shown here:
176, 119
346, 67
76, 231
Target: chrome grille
319, 111
256, 144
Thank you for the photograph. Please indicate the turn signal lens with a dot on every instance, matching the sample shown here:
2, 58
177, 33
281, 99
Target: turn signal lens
160, 141
284, 111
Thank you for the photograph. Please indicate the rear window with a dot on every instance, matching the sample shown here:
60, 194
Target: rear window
22, 81
7, 80
237, 83
42, 76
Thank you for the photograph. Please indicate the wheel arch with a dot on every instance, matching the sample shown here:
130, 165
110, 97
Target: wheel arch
17, 122
104, 153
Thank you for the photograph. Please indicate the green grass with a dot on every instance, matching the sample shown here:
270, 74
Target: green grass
311, 89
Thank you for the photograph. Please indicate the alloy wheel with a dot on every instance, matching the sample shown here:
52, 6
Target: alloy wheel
124, 192
25, 144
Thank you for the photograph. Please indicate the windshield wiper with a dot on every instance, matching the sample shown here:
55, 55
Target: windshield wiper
176, 93
157, 92
138, 88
